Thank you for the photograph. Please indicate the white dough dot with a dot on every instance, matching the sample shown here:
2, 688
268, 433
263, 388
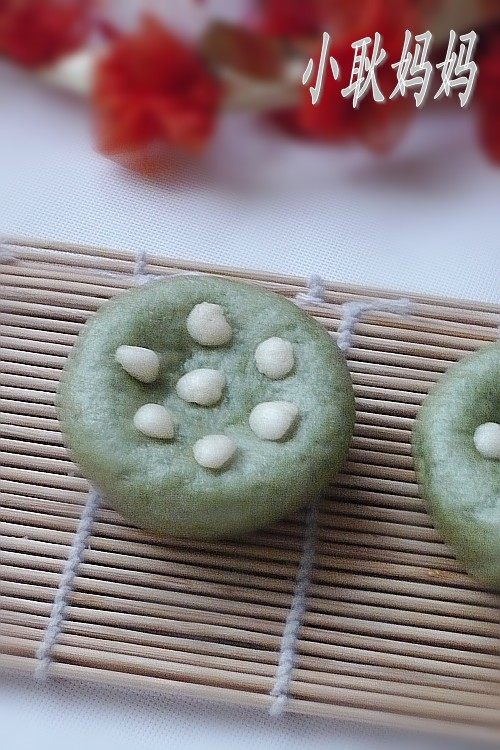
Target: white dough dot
207, 324
155, 421
203, 386
487, 440
214, 451
143, 364
271, 420
274, 358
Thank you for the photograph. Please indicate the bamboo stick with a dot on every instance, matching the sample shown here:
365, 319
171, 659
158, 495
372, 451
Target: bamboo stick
389, 638
170, 659
256, 682
33, 493
386, 666
375, 499
365, 546
19, 320
105, 257
258, 560
153, 590
42, 584
375, 685
167, 687
455, 334
179, 576
317, 642
357, 585
47, 279
219, 630
51, 312
201, 653
16, 431
431, 708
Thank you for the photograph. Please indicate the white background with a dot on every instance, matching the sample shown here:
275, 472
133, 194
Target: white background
425, 219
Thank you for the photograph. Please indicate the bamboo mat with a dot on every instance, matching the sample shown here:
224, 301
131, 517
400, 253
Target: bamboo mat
395, 632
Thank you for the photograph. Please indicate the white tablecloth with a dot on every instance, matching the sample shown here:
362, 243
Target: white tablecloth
425, 219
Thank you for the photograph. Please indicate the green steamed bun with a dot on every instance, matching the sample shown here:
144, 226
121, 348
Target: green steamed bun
157, 483
460, 484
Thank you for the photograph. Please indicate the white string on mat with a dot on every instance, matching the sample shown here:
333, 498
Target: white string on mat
315, 291
351, 313
66, 584
143, 277
288, 647
140, 272
77, 551
6, 256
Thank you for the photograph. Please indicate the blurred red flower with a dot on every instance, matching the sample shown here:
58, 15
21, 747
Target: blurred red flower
38, 32
151, 87
487, 95
333, 118
295, 17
